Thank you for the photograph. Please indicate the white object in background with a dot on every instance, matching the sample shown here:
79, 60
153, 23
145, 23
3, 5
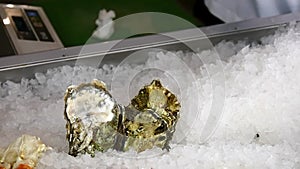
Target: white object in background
105, 24
238, 10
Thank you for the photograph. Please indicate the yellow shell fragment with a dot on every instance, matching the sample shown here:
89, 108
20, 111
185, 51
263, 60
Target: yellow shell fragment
26, 150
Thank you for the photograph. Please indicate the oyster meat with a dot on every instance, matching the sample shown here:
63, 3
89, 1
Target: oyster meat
96, 122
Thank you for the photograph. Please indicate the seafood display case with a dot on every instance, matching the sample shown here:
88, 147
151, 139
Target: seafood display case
42, 77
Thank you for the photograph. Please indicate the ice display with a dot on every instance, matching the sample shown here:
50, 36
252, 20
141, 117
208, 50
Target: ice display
259, 127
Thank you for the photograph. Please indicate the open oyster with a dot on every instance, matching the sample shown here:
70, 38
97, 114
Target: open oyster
96, 122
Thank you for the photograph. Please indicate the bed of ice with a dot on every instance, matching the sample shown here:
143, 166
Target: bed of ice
262, 96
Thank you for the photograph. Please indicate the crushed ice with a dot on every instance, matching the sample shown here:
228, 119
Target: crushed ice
262, 97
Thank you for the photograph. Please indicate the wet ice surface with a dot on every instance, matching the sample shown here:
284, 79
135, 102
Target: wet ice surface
262, 96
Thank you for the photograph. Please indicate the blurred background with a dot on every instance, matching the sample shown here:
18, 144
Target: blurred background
74, 21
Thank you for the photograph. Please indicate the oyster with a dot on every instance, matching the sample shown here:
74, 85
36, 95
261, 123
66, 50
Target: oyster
92, 118
96, 122
23, 153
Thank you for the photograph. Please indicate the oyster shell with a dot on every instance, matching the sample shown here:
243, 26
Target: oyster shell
92, 118
96, 122
22, 153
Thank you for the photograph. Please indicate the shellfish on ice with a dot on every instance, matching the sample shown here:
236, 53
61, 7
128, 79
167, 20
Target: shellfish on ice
96, 122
